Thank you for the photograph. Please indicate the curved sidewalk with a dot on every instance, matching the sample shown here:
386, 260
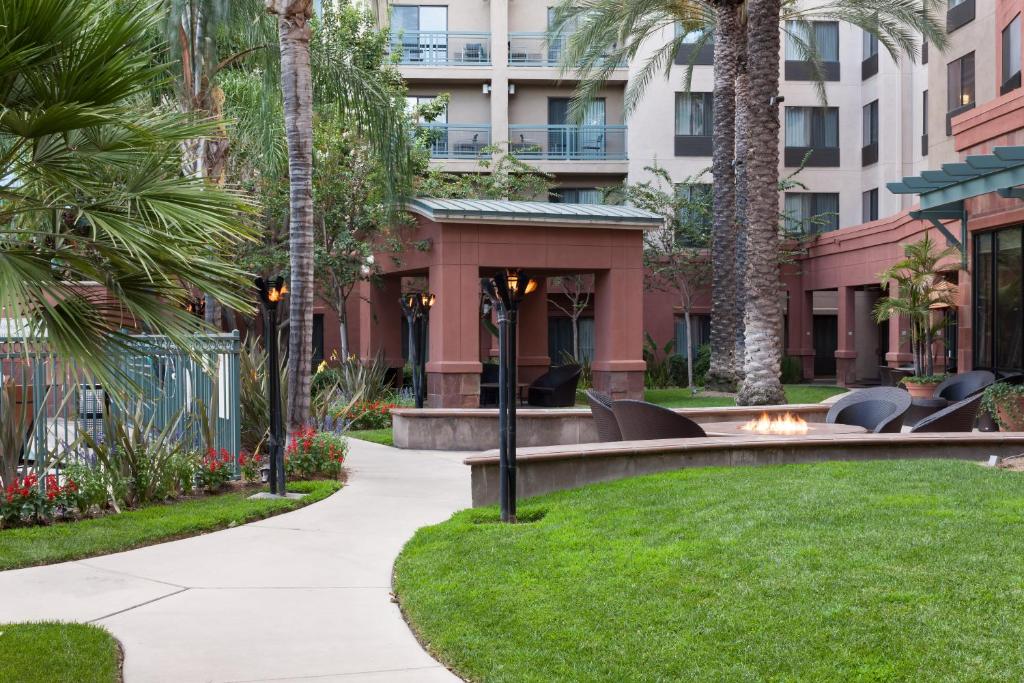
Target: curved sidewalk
304, 595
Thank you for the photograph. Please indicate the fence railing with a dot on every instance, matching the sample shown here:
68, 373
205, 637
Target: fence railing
568, 142
537, 49
458, 140
442, 48
59, 400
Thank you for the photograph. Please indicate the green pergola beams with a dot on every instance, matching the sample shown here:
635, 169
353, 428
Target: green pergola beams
954, 211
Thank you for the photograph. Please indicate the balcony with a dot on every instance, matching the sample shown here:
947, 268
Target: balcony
458, 140
536, 49
442, 48
567, 142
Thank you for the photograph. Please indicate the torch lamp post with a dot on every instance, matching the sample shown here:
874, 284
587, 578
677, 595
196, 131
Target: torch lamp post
416, 307
271, 294
506, 291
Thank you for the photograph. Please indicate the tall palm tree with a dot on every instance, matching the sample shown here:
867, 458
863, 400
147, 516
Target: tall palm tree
91, 189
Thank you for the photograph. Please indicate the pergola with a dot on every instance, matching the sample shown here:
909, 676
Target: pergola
470, 239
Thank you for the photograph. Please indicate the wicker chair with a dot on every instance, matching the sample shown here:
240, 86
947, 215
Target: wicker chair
556, 388
964, 385
879, 409
958, 417
604, 418
642, 421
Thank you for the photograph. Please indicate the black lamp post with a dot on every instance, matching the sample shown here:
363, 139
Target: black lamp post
416, 306
506, 291
271, 294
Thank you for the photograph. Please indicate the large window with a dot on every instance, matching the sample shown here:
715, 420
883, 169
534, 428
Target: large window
423, 30
869, 205
700, 326
960, 83
689, 52
1011, 56
869, 60
694, 123
998, 318
812, 212
869, 134
814, 129
804, 41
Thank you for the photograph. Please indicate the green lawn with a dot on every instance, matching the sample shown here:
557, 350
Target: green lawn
28, 546
381, 436
681, 398
58, 653
870, 571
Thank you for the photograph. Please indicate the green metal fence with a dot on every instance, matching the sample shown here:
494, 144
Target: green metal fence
59, 400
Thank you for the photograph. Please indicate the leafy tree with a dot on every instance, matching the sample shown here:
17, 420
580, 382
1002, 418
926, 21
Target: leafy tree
505, 176
91, 188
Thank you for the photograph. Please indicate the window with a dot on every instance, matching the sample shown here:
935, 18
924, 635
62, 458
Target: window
870, 44
688, 53
695, 214
805, 39
998, 318
869, 206
869, 135
694, 122
960, 87
1011, 56
811, 212
700, 326
924, 123
924, 50
423, 31
812, 128
869, 61
959, 13
576, 195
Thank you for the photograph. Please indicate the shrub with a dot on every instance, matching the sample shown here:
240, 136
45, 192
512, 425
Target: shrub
363, 414
24, 502
659, 363
792, 370
1005, 398
254, 393
250, 465
313, 455
215, 470
94, 488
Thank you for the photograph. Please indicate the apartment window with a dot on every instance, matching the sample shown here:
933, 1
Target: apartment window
1011, 56
576, 195
813, 129
924, 50
806, 38
869, 61
700, 326
959, 13
423, 31
689, 52
694, 122
869, 206
869, 135
812, 212
998, 301
924, 123
959, 87
695, 208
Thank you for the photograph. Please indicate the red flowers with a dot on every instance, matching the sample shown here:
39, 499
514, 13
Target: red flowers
23, 500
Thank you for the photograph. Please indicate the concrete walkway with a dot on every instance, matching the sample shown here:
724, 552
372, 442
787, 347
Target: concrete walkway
300, 596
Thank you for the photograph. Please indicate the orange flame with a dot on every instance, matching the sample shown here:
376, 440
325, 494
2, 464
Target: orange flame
787, 424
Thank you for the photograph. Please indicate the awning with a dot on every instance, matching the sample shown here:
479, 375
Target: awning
942, 193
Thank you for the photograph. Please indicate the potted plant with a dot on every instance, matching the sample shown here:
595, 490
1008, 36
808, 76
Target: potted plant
920, 290
1005, 403
922, 386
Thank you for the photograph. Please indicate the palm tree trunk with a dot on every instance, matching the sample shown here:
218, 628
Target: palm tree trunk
296, 83
721, 374
742, 158
763, 313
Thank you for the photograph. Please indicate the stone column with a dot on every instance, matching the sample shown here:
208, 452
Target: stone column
453, 371
846, 350
533, 334
899, 352
499, 71
618, 332
380, 321
800, 321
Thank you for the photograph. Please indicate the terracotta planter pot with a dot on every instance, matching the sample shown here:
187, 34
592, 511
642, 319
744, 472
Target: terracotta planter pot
921, 390
1012, 424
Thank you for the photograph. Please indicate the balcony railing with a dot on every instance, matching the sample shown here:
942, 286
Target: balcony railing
594, 143
536, 49
442, 48
458, 140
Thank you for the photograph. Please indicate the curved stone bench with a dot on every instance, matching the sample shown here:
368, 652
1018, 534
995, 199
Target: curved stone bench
554, 468
476, 429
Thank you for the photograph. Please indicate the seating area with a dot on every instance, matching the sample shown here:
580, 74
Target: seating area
556, 388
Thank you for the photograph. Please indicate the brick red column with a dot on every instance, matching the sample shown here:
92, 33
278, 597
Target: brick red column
618, 332
380, 321
453, 371
846, 350
800, 320
532, 343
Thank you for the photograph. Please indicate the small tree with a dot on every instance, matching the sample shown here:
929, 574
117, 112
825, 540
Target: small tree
676, 256
576, 289
504, 177
919, 287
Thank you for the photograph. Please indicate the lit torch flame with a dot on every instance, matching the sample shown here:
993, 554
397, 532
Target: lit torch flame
785, 425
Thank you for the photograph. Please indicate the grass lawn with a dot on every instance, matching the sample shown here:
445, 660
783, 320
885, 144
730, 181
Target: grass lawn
58, 653
870, 571
381, 436
28, 546
681, 398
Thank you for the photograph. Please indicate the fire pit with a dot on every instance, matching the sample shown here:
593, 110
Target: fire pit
786, 425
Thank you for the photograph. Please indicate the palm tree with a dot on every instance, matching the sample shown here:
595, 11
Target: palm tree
91, 189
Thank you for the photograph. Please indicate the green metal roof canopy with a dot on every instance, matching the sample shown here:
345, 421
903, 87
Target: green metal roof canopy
942, 193
449, 209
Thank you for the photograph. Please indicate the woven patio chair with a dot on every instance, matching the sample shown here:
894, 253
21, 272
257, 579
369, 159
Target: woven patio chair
604, 418
556, 388
958, 417
642, 421
878, 409
959, 387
